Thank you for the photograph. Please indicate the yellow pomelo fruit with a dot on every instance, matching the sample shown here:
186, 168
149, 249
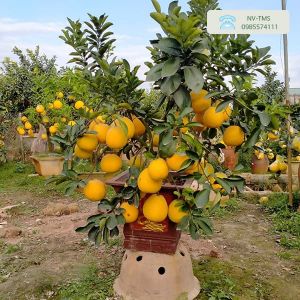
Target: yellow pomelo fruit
176, 160
81, 153
213, 119
30, 132
53, 129
272, 136
233, 136
40, 109
21, 130
116, 137
111, 163
155, 139
88, 142
94, 190
71, 123
44, 136
199, 119
175, 212
274, 167
27, 125
24, 119
57, 104
227, 113
129, 124
199, 102
155, 208
131, 212
79, 104
101, 130
158, 169
146, 184
139, 127
263, 200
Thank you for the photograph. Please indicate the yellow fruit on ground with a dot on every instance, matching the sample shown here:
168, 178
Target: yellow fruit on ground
233, 136
298, 158
79, 104
131, 212
116, 137
71, 123
155, 208
272, 136
21, 130
129, 124
59, 95
139, 127
94, 190
40, 109
27, 125
71, 97
44, 136
111, 163
101, 130
158, 169
155, 139
81, 153
88, 142
263, 200
50, 105
199, 101
57, 104
53, 129
24, 119
146, 184
175, 212
176, 160
213, 119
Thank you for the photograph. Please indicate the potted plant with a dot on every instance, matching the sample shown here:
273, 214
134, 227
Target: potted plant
152, 198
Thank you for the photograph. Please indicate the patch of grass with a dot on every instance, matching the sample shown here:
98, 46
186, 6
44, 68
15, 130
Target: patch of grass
228, 209
221, 280
10, 249
285, 255
92, 284
285, 220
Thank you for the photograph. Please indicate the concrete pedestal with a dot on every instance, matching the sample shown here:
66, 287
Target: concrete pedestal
149, 276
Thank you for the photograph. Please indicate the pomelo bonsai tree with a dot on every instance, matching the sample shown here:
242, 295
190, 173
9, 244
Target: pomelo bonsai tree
207, 102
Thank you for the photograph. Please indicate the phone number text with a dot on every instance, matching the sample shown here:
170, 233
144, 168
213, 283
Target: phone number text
260, 26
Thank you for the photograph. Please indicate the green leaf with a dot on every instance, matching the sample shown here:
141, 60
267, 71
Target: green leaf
170, 67
85, 228
169, 46
182, 98
156, 5
224, 185
250, 142
205, 225
154, 73
193, 78
170, 84
202, 198
264, 118
112, 222
223, 105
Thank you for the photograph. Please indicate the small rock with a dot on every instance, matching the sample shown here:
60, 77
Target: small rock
39, 221
10, 232
214, 253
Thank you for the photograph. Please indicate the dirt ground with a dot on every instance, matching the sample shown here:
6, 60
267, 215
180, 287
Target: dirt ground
48, 255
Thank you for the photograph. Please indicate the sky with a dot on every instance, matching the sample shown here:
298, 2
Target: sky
34, 22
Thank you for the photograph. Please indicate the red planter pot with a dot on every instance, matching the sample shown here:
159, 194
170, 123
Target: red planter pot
231, 158
259, 166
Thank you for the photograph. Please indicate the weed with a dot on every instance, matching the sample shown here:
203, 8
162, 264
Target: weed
231, 206
10, 248
284, 255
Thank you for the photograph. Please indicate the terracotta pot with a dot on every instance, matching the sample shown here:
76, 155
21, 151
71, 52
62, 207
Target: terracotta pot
48, 164
231, 158
259, 166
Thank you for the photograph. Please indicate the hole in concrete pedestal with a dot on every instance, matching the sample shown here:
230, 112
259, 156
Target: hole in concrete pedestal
182, 253
139, 258
161, 270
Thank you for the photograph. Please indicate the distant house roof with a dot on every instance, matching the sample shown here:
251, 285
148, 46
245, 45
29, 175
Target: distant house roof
295, 91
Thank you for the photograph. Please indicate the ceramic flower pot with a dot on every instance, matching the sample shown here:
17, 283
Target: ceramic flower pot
259, 166
230, 158
48, 164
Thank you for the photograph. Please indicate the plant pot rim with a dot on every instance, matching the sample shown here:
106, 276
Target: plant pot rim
47, 156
